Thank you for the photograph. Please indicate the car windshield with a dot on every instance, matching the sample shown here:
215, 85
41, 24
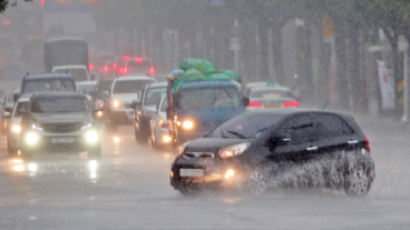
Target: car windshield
154, 95
79, 74
59, 104
245, 126
49, 85
208, 98
270, 93
130, 86
20, 109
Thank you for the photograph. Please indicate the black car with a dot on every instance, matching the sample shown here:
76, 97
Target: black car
59, 122
144, 110
265, 149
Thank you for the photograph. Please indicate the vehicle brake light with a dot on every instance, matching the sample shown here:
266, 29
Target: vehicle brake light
139, 60
126, 58
255, 104
291, 104
152, 70
91, 67
367, 144
105, 68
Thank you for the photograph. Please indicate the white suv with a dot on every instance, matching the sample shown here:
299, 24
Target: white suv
124, 92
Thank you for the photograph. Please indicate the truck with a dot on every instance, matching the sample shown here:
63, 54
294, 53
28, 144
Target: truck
64, 52
200, 98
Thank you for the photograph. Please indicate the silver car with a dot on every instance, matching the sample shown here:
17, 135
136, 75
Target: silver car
160, 137
14, 128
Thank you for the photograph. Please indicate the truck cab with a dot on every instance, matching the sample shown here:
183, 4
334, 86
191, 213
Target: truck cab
197, 107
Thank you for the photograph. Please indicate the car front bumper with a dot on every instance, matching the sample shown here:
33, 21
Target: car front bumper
60, 142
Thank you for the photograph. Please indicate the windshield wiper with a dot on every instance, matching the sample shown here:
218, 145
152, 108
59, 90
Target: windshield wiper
236, 134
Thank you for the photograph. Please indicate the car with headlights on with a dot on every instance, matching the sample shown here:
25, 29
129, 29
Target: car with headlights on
124, 92
15, 127
146, 108
263, 149
159, 134
59, 122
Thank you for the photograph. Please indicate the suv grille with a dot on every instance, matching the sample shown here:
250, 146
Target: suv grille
199, 155
62, 127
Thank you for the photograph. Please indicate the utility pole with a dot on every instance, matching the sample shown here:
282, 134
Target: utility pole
406, 84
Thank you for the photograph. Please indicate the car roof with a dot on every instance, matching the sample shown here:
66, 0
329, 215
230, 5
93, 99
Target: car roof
133, 77
292, 111
58, 94
48, 76
81, 83
257, 88
158, 84
69, 67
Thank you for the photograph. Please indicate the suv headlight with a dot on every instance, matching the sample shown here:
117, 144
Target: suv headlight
116, 103
92, 136
233, 150
16, 128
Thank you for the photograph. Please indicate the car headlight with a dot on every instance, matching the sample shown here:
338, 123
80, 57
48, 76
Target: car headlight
92, 136
116, 103
36, 127
16, 128
233, 150
32, 138
188, 125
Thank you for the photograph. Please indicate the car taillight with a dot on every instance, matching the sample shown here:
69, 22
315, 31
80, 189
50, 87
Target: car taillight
291, 104
126, 57
105, 68
90, 67
255, 104
139, 60
367, 144
152, 70
123, 71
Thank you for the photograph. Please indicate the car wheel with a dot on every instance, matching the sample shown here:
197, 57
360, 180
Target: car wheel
257, 182
357, 182
188, 191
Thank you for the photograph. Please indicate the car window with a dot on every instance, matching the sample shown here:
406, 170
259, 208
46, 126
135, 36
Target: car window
48, 85
301, 129
154, 95
270, 93
20, 109
164, 106
130, 86
328, 126
208, 98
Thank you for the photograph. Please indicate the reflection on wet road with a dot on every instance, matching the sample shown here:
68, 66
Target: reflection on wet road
128, 188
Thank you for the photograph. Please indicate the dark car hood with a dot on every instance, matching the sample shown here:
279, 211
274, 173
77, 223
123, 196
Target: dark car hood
211, 144
210, 118
62, 117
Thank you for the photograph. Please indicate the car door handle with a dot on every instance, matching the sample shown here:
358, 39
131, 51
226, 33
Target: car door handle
353, 142
312, 148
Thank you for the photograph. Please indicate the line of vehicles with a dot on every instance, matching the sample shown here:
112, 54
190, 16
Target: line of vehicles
228, 134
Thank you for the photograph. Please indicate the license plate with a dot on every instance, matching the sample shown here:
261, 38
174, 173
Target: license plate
271, 106
191, 172
62, 140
